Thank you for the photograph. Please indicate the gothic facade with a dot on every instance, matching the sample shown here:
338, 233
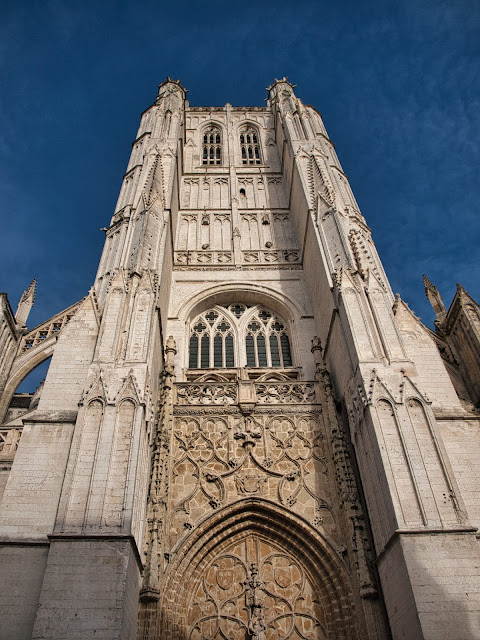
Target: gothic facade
242, 434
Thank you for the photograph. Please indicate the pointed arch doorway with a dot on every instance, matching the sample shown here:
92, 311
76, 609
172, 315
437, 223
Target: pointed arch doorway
256, 575
255, 588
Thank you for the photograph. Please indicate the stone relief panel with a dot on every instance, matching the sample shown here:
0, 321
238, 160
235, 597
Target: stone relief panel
204, 258
271, 392
84, 465
268, 392
203, 233
207, 393
207, 192
114, 509
400, 472
222, 458
258, 590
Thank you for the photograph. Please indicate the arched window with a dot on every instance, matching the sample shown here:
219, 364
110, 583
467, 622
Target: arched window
212, 145
238, 335
211, 341
266, 341
250, 145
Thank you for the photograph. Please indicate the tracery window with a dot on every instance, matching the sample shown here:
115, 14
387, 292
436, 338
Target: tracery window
250, 145
211, 341
238, 335
212, 145
266, 342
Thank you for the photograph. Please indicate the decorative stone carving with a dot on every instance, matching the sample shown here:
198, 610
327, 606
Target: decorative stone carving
219, 457
249, 432
251, 256
203, 257
285, 393
270, 256
221, 217
249, 217
250, 483
206, 393
254, 590
362, 252
346, 479
291, 255
319, 182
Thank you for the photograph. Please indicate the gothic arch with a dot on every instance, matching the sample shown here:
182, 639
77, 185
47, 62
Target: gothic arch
21, 368
249, 140
212, 143
291, 538
34, 347
290, 310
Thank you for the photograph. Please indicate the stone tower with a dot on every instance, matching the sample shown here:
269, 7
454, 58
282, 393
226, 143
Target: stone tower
242, 434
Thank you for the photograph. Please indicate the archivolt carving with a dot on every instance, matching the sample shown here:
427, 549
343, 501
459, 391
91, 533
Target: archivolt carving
255, 572
255, 589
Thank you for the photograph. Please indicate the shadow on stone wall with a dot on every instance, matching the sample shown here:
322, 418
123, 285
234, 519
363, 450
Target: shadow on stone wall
451, 610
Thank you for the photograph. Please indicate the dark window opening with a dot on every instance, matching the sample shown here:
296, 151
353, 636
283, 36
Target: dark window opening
212, 150
249, 145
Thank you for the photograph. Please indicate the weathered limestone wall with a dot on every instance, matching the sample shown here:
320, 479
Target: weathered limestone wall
398, 594
22, 569
443, 574
462, 442
431, 374
72, 357
90, 590
30, 500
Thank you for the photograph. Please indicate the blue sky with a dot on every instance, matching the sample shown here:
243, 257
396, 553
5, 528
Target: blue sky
396, 82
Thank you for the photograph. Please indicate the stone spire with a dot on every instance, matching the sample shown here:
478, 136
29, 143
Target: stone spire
435, 300
26, 303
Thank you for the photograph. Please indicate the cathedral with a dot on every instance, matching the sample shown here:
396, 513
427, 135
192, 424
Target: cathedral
243, 434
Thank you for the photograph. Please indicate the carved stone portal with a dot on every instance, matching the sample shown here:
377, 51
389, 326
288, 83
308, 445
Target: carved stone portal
255, 590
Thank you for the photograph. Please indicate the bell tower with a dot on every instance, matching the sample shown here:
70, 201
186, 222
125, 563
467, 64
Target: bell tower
242, 434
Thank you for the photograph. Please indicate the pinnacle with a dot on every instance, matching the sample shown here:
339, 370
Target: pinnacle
428, 284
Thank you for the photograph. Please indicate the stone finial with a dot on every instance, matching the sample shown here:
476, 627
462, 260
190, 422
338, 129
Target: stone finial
170, 349
317, 350
435, 300
283, 80
26, 303
170, 352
